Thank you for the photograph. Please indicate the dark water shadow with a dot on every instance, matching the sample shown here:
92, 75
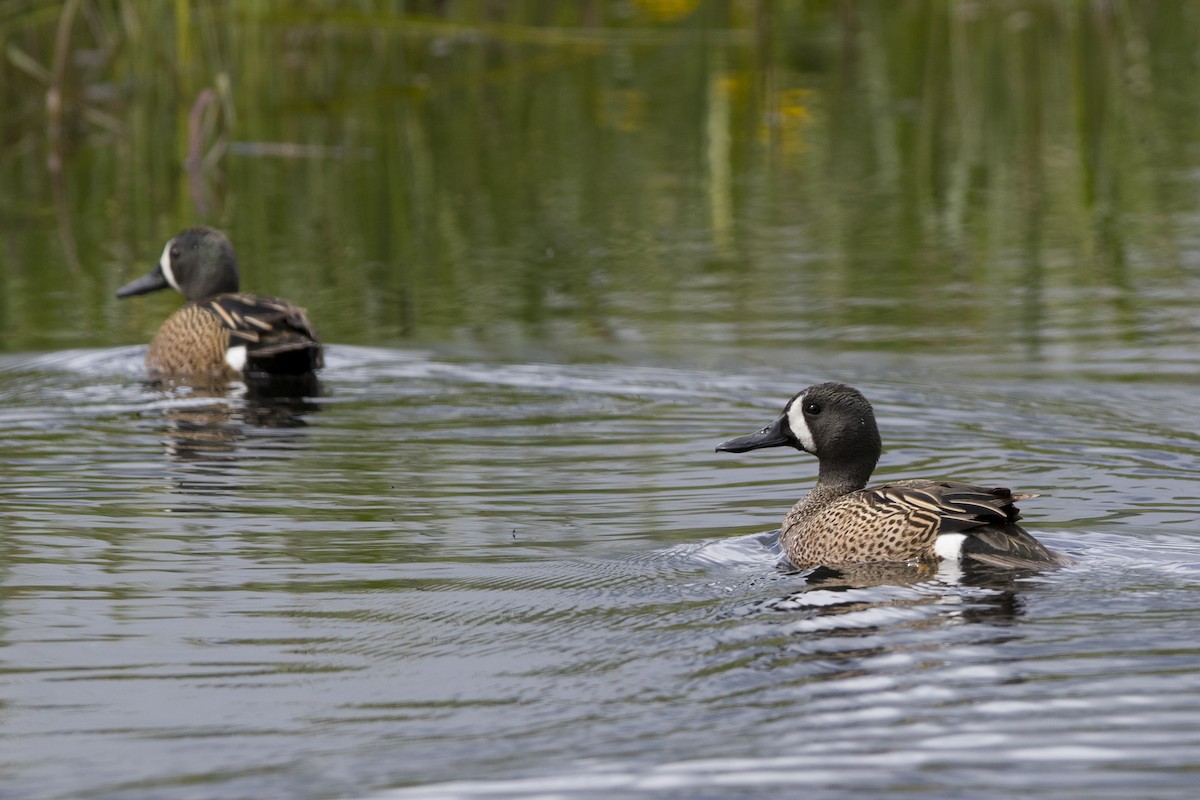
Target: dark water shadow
989, 595
870, 610
221, 423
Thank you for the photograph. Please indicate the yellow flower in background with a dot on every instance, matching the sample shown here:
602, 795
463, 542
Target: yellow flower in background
792, 118
667, 10
623, 109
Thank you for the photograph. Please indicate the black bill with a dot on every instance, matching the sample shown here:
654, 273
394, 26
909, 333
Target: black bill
145, 284
774, 435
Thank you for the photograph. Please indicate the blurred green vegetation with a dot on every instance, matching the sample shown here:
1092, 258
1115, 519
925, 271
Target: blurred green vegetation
894, 174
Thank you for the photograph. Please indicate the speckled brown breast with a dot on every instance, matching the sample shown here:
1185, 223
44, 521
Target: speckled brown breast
851, 530
191, 342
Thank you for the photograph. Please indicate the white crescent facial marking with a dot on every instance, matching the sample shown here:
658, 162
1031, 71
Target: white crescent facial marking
236, 357
799, 426
949, 545
164, 263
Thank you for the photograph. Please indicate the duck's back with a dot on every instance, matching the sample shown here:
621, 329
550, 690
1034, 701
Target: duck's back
912, 519
229, 334
277, 335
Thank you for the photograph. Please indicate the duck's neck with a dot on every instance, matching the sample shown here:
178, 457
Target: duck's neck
836, 480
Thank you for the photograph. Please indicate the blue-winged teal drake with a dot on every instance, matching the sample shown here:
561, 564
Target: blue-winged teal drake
221, 334
841, 522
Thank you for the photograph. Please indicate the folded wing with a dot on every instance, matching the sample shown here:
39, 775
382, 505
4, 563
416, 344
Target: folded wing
987, 518
277, 334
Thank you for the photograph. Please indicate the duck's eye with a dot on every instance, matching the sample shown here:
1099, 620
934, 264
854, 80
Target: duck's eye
174, 252
812, 408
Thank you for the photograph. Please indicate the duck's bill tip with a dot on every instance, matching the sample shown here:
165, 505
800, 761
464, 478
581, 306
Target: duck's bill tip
145, 284
774, 435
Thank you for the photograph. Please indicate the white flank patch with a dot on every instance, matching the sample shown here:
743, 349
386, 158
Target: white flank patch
799, 426
949, 545
164, 263
236, 357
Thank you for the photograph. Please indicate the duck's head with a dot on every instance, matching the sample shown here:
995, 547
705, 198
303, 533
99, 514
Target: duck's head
197, 263
832, 421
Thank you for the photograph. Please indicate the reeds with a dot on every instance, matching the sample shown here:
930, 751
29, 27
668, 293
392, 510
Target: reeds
419, 162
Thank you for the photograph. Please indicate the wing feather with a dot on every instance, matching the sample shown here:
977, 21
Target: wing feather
988, 517
277, 334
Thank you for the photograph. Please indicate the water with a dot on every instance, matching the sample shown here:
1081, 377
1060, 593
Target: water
559, 252
483, 579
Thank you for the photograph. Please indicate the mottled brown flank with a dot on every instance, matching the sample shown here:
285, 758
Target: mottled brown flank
850, 530
898, 522
192, 341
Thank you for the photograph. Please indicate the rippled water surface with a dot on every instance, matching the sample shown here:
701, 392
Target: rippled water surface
559, 251
473, 578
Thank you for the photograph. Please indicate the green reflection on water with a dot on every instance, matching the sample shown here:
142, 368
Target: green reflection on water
662, 174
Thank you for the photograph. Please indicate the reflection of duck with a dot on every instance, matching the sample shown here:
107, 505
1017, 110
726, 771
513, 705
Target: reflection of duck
207, 431
840, 522
872, 598
220, 334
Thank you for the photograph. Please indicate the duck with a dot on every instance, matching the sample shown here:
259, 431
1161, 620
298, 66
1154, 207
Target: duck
221, 334
843, 522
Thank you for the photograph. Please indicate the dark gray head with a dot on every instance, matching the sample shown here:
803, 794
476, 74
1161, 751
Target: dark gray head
832, 421
197, 262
